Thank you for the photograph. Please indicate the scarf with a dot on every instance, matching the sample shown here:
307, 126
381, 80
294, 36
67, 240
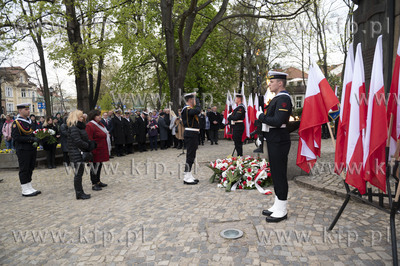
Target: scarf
102, 128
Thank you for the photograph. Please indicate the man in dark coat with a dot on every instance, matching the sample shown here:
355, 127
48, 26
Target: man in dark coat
129, 129
215, 121
167, 119
202, 123
162, 125
141, 131
278, 143
118, 133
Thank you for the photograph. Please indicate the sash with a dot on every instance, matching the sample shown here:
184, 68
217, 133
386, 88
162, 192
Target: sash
105, 131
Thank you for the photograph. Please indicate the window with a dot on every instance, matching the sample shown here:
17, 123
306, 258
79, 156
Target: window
9, 92
33, 108
23, 93
299, 101
21, 78
10, 107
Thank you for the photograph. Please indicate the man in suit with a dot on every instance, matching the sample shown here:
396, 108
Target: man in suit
215, 121
275, 131
118, 133
141, 131
129, 129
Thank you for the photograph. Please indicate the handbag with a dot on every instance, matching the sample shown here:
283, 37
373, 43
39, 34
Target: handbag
87, 156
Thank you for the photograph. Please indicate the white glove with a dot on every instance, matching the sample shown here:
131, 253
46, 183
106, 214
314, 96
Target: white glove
258, 142
228, 115
259, 112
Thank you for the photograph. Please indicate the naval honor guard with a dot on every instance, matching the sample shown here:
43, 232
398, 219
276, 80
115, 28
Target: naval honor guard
191, 123
278, 143
22, 134
236, 118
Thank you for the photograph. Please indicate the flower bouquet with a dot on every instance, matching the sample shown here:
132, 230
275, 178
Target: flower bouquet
241, 173
44, 133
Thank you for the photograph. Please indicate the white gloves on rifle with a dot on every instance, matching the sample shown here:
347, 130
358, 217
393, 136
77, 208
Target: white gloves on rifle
259, 112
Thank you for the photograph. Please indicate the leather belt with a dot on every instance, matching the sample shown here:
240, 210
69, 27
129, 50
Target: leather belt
265, 127
192, 129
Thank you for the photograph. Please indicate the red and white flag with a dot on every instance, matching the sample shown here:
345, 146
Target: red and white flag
246, 132
251, 114
319, 99
376, 131
343, 125
256, 103
357, 124
226, 112
393, 108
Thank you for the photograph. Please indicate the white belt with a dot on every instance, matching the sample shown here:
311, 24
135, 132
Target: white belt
192, 129
238, 121
265, 127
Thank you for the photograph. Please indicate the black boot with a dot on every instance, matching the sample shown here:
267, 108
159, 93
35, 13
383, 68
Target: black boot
81, 195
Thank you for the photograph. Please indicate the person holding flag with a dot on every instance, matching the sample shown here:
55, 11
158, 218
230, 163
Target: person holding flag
236, 118
278, 143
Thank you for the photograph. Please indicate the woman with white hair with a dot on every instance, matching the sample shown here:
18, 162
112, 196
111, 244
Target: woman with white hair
78, 142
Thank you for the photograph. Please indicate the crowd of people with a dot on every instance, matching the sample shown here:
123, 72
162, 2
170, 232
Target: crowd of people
96, 137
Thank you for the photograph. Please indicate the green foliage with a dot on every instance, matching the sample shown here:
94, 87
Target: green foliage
106, 102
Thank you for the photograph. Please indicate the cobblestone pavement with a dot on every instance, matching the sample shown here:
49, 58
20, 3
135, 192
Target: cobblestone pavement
153, 219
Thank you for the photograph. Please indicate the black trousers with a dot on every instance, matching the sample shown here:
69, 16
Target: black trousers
129, 148
95, 171
26, 162
79, 169
51, 155
214, 135
66, 158
119, 149
202, 136
192, 143
278, 159
237, 138
208, 134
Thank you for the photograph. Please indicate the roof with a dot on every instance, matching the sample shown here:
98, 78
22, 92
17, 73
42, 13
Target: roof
9, 72
293, 73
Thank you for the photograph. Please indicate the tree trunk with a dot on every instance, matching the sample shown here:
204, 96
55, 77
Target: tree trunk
78, 63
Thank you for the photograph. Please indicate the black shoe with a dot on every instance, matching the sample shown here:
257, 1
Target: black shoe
216, 143
266, 212
119, 155
202, 144
189, 183
96, 187
32, 194
101, 184
270, 219
212, 143
196, 180
82, 196
259, 150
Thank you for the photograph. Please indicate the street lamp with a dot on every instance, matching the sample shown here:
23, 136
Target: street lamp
51, 90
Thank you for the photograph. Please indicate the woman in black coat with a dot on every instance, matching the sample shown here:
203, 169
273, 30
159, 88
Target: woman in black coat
141, 131
64, 142
78, 142
50, 148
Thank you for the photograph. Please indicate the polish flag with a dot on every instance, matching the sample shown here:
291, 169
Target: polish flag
251, 114
343, 126
394, 105
319, 99
357, 124
256, 103
246, 132
376, 131
226, 112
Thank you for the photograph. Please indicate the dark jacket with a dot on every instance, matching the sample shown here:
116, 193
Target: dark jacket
214, 117
118, 130
23, 140
202, 121
64, 137
129, 129
78, 141
163, 128
141, 129
153, 132
108, 124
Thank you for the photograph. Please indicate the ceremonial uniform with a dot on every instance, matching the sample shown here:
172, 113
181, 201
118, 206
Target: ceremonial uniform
191, 123
236, 120
22, 134
275, 132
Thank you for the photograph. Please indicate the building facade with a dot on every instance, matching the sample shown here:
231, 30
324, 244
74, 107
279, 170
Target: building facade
15, 89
